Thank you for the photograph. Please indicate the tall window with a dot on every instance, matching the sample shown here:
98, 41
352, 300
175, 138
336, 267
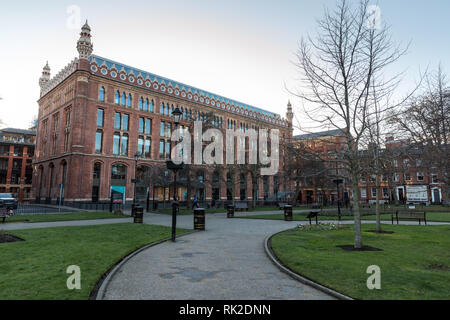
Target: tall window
98, 141
141, 125
162, 131
141, 102
161, 109
96, 181
151, 106
129, 100
117, 97
117, 120
116, 143
125, 118
141, 145
99, 117
148, 126
123, 100
148, 148
146, 105
161, 149
124, 145
101, 95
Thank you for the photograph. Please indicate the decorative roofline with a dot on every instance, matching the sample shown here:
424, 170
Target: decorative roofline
60, 77
136, 77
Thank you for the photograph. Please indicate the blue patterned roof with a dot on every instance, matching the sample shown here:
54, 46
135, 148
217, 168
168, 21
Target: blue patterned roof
161, 80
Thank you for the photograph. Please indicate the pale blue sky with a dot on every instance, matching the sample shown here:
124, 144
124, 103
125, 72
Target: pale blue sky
239, 49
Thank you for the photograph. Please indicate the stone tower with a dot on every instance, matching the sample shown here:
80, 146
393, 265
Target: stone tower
84, 44
289, 114
45, 78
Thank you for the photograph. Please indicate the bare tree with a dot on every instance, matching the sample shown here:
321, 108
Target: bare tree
342, 69
425, 121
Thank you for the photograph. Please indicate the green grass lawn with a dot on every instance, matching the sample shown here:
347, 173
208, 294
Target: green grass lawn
63, 217
414, 263
36, 268
431, 216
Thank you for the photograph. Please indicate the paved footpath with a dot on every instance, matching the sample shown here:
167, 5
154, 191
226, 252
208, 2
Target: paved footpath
227, 261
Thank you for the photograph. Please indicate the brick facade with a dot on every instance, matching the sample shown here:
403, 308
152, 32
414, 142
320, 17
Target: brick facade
68, 124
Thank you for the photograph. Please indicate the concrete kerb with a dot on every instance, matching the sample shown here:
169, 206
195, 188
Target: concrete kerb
296, 276
116, 267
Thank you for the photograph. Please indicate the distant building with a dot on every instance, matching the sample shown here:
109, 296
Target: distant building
16, 171
315, 181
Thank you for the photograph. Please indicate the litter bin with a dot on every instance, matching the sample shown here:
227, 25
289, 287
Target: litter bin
287, 213
138, 213
230, 211
199, 219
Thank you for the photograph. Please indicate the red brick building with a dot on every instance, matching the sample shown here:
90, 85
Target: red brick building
16, 154
407, 177
314, 182
96, 114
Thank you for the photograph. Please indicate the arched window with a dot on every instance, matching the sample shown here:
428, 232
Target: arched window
161, 109
124, 98
151, 106
129, 100
118, 181
96, 181
146, 105
141, 102
117, 97
101, 95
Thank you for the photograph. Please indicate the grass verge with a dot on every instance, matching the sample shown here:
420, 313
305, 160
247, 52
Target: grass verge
431, 216
414, 263
49, 217
36, 268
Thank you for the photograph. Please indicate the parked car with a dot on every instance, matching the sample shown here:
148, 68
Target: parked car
8, 201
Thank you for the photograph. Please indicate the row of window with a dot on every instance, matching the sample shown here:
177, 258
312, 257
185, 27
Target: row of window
374, 193
407, 177
146, 104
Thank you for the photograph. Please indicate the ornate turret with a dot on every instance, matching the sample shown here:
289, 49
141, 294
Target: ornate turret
45, 78
289, 113
84, 44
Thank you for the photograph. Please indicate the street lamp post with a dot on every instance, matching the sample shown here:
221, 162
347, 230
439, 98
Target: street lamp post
175, 167
135, 181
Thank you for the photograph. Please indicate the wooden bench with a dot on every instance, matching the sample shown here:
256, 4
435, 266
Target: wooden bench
281, 205
241, 206
411, 215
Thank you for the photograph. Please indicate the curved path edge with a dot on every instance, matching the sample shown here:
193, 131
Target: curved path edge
104, 281
272, 257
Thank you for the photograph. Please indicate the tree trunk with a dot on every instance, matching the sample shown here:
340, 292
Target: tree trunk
377, 205
356, 212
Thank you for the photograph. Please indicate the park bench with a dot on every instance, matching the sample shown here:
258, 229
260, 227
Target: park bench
281, 205
412, 215
364, 205
241, 206
313, 214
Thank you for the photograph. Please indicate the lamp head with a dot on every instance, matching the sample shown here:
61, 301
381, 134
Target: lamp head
177, 115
